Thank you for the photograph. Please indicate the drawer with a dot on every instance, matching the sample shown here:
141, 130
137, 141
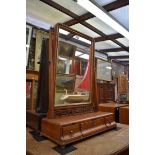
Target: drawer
93, 126
100, 124
88, 127
93, 123
109, 120
71, 131
100, 121
88, 124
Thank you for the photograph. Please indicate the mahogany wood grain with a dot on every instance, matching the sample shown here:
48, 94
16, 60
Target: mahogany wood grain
124, 115
106, 92
113, 108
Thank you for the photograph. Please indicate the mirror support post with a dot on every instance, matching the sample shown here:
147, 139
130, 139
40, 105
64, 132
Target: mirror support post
53, 35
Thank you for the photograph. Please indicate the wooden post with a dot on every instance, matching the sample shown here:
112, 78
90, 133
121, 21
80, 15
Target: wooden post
32, 94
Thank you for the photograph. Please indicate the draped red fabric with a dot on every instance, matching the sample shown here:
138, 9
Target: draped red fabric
85, 83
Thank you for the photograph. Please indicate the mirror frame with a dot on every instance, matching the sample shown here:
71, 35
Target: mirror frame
53, 51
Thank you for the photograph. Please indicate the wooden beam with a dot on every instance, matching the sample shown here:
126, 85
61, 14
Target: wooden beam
116, 5
109, 7
93, 29
73, 15
69, 36
103, 35
119, 57
101, 52
116, 61
60, 8
119, 62
80, 18
124, 61
74, 40
121, 45
109, 37
112, 50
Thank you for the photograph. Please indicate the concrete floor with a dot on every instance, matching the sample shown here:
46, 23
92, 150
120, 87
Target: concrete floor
103, 144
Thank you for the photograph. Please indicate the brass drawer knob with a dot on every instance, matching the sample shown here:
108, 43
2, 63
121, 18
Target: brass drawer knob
71, 132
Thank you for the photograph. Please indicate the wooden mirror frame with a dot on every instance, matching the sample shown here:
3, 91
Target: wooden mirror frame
69, 109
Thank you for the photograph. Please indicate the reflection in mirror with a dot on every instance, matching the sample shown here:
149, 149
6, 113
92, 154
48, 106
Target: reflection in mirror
117, 69
73, 69
103, 70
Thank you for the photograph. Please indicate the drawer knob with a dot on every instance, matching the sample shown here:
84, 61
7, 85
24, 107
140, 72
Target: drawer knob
71, 131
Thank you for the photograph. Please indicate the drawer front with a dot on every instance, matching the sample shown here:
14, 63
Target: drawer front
71, 131
93, 126
109, 120
93, 123
87, 127
88, 124
100, 121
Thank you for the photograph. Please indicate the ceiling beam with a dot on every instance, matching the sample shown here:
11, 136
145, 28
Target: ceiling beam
124, 62
118, 57
101, 52
93, 29
112, 50
60, 8
69, 36
74, 40
73, 15
118, 62
103, 35
120, 44
109, 37
109, 7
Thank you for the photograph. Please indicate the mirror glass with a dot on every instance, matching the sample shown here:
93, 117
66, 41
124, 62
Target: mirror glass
103, 70
72, 69
117, 69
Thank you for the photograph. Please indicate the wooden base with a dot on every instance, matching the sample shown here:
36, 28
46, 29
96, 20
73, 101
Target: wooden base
33, 119
109, 143
69, 129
